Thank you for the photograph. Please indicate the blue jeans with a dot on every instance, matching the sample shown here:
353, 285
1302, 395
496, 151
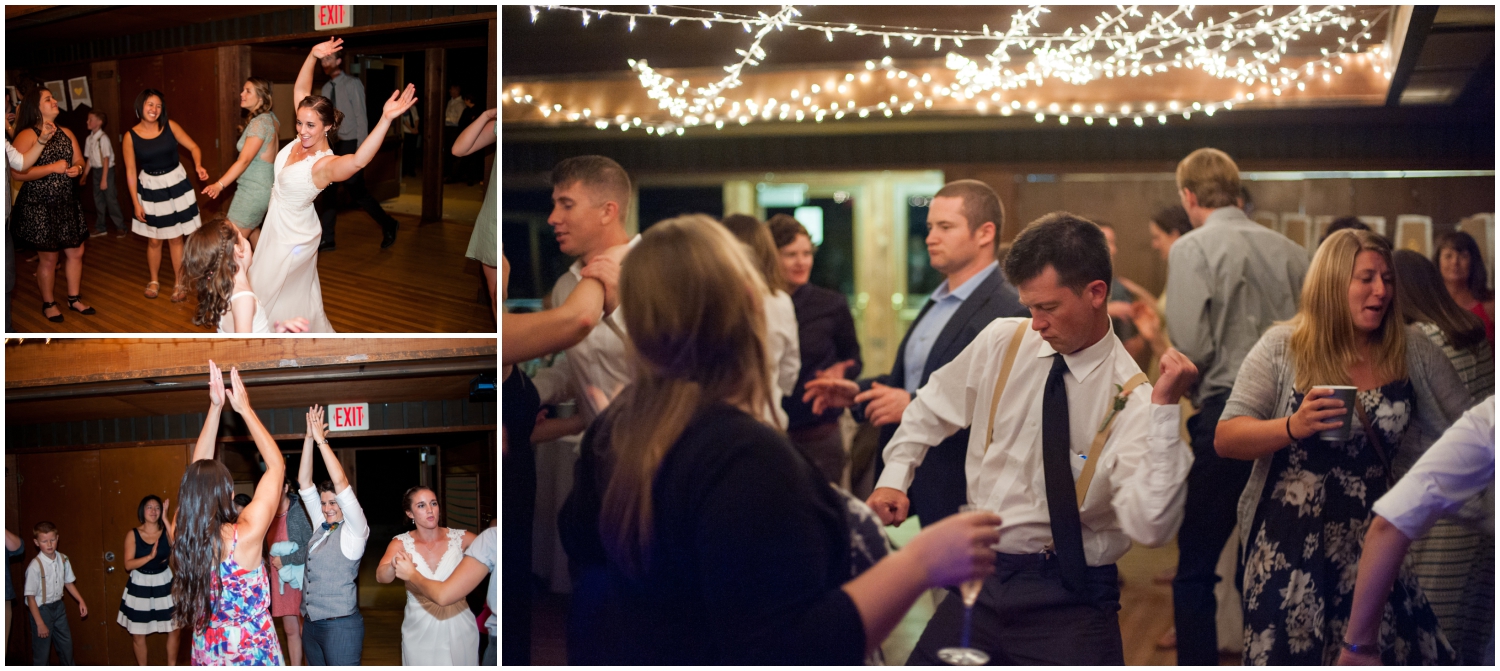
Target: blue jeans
334, 642
490, 652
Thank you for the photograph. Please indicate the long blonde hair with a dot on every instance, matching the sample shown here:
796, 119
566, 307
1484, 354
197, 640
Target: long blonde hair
696, 337
1323, 333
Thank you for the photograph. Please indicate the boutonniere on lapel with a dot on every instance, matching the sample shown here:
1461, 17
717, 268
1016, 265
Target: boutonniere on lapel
1120, 398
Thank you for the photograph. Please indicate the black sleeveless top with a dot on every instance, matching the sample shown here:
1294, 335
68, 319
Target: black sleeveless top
157, 156
163, 553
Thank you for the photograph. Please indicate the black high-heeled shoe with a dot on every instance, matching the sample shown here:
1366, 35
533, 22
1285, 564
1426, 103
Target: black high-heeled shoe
75, 299
51, 304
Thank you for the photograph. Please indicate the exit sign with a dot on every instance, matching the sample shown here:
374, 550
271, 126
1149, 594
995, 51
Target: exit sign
348, 416
334, 16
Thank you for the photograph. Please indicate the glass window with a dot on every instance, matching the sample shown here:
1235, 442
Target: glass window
659, 203
529, 246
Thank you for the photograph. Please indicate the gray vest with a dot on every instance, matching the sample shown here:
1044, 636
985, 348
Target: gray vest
328, 585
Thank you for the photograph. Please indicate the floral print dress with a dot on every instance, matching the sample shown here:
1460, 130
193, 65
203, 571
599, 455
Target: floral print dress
239, 633
1308, 532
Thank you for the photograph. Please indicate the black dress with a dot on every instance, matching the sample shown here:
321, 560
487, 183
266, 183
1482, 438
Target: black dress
47, 216
748, 552
518, 409
147, 606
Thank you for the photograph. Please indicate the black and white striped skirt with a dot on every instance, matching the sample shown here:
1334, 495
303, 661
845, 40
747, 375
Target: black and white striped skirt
147, 607
170, 204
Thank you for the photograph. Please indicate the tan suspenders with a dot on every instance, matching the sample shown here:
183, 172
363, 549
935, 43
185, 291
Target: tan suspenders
1105, 427
41, 567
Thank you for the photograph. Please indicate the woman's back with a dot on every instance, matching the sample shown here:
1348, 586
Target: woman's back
749, 548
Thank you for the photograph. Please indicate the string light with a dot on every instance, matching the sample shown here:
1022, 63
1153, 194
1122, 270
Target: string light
1204, 47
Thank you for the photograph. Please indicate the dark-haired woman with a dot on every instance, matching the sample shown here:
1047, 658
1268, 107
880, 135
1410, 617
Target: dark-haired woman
291, 525
254, 166
334, 631
146, 607
220, 589
165, 206
47, 216
432, 635
1454, 562
285, 275
1462, 265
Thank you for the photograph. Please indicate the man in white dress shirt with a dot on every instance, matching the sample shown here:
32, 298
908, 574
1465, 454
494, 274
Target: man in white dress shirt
1073, 413
1457, 467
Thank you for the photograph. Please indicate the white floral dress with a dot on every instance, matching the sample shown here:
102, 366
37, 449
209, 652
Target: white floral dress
1307, 535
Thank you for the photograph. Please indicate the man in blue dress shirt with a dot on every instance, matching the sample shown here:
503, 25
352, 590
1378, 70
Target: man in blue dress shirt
964, 226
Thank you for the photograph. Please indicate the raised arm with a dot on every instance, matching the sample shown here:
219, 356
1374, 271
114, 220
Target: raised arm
187, 141
478, 135
303, 87
340, 168
335, 470
305, 469
210, 433
256, 517
169, 523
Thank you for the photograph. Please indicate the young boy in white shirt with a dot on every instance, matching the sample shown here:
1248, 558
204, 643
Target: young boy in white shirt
99, 164
48, 575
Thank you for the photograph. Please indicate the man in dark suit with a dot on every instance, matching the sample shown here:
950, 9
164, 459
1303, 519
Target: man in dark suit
963, 233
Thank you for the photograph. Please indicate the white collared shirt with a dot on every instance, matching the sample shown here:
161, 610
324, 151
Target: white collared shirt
58, 574
1457, 467
599, 360
97, 149
356, 528
1139, 485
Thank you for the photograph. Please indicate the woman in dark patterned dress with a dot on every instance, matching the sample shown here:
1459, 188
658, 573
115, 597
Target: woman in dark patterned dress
47, 216
1307, 506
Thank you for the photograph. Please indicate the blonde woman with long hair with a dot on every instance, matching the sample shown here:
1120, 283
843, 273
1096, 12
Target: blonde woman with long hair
254, 167
1305, 510
700, 535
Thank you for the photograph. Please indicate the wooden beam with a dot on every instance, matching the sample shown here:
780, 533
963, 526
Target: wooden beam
1410, 41
436, 63
245, 439
78, 361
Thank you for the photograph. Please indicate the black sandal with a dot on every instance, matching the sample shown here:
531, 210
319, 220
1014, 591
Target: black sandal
75, 299
51, 304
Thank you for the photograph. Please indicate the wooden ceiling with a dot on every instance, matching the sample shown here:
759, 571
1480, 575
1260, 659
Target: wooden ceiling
92, 22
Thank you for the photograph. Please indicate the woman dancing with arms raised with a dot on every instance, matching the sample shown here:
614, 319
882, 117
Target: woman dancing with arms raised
220, 588
286, 276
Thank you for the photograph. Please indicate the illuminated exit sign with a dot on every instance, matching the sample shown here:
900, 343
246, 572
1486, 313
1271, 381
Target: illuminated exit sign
348, 416
330, 17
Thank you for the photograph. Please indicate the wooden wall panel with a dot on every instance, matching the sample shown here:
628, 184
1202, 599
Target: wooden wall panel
126, 476
190, 83
74, 361
63, 488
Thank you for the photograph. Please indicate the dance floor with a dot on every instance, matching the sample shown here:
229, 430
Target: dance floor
422, 284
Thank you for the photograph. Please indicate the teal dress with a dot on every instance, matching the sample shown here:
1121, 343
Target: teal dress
254, 194
483, 246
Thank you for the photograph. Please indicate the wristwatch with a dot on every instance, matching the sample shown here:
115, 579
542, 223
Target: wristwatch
1362, 649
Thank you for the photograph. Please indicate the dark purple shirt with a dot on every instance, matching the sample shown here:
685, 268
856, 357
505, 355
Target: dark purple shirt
825, 331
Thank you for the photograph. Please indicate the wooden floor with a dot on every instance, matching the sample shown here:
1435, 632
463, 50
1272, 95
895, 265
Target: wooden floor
1145, 614
422, 284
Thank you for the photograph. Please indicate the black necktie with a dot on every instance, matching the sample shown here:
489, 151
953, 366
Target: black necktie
1067, 530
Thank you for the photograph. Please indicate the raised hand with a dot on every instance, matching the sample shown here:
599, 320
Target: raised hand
399, 102
239, 399
215, 389
316, 427
48, 130
325, 49
1177, 375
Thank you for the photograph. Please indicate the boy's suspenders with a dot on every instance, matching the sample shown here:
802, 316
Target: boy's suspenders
1106, 427
41, 567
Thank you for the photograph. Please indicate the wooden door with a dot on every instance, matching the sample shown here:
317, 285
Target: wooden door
125, 477
63, 488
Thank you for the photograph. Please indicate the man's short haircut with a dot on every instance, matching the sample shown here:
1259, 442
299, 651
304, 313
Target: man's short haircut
1073, 246
785, 228
43, 527
599, 173
1343, 223
980, 204
1211, 176
103, 118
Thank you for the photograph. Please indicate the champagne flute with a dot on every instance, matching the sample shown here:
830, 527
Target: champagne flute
969, 590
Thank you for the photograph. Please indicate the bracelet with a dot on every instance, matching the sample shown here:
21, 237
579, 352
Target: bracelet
1362, 649
1289, 429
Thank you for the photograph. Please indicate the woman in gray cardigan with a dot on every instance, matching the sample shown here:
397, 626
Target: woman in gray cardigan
1304, 512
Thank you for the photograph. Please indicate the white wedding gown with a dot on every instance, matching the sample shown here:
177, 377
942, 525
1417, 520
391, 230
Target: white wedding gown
284, 270
434, 635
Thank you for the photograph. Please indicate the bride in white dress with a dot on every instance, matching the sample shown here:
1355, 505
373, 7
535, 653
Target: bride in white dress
432, 635
285, 274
